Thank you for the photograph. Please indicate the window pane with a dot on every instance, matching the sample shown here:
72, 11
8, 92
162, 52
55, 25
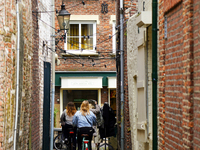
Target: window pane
74, 30
87, 43
87, 36
87, 29
73, 37
77, 96
72, 43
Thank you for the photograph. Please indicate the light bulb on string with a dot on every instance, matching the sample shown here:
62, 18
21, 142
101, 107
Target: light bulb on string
88, 38
83, 2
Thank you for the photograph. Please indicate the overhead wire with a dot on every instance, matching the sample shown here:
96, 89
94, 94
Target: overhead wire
78, 56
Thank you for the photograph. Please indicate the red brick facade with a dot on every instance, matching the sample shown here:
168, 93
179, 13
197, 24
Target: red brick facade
178, 75
8, 73
35, 114
196, 54
105, 61
104, 44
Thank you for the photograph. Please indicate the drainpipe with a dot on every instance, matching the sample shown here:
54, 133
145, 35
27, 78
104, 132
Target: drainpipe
17, 82
53, 76
154, 72
122, 73
147, 86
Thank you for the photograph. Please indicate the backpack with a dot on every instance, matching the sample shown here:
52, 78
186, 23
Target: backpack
100, 121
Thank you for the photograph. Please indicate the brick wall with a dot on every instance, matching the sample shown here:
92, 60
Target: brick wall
105, 61
35, 127
176, 76
8, 60
104, 44
104, 95
196, 108
41, 30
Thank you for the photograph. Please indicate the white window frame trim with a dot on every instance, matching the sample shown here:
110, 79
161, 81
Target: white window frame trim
79, 51
114, 37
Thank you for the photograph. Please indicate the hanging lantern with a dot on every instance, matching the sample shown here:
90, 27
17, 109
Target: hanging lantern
63, 18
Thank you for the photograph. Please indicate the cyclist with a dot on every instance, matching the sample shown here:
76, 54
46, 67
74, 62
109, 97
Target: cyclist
84, 120
66, 122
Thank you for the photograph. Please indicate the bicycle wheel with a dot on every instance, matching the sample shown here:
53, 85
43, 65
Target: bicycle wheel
58, 145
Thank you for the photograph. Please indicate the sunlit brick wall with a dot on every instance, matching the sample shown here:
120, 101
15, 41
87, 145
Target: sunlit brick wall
176, 75
8, 60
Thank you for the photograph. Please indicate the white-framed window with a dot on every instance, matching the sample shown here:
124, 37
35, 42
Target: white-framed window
81, 37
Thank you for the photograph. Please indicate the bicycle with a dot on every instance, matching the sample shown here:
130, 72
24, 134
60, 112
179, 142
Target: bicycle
85, 143
64, 144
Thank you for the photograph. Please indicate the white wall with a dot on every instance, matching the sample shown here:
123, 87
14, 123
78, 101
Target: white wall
133, 44
44, 23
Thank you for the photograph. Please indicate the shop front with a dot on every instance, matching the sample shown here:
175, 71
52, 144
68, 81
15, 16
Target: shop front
78, 86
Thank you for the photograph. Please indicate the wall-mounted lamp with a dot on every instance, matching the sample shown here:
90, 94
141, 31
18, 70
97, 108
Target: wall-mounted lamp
63, 18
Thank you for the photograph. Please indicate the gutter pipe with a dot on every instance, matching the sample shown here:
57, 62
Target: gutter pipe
154, 72
53, 77
122, 73
17, 85
147, 86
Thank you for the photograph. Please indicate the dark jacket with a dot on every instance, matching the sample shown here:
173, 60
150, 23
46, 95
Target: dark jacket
109, 122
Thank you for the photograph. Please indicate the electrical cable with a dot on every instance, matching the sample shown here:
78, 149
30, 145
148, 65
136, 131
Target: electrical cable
78, 56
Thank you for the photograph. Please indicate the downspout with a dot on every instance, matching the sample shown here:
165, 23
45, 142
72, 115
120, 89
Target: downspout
17, 82
53, 76
154, 72
147, 86
122, 73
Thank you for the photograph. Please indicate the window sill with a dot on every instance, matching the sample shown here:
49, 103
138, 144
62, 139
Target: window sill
85, 54
112, 54
80, 54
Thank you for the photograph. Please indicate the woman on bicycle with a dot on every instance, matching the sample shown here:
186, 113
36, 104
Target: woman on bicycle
66, 122
84, 120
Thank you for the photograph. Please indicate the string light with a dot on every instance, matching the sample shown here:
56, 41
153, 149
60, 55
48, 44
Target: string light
83, 2
88, 36
84, 38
